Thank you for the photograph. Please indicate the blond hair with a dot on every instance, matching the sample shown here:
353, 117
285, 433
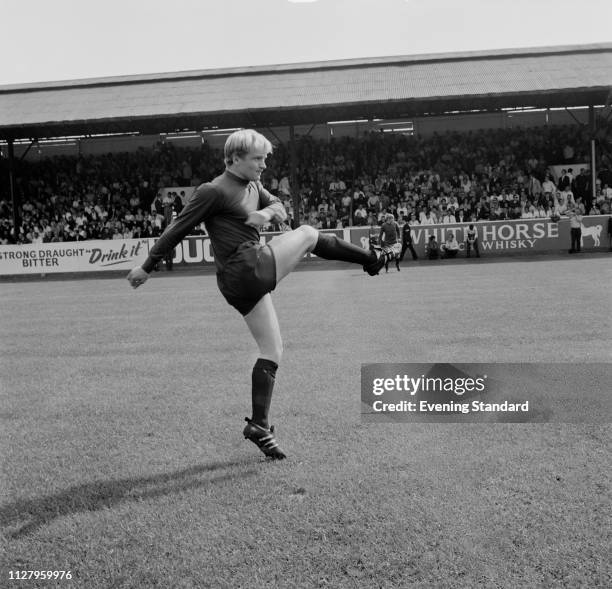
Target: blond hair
242, 142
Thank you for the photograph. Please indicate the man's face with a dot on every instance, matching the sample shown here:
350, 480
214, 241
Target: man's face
251, 165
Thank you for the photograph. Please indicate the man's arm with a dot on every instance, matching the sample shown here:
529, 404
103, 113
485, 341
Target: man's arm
270, 207
198, 208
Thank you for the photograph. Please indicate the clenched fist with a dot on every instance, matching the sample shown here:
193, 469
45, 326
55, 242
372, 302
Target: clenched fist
137, 276
257, 218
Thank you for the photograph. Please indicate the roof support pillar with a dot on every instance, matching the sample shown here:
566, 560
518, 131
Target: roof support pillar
593, 130
15, 200
293, 178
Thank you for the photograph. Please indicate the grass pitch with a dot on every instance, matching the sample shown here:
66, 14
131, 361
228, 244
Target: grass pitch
125, 464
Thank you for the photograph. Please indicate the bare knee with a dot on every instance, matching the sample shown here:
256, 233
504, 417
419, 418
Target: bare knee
311, 235
272, 351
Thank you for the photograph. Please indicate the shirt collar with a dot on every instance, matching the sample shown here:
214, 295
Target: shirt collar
237, 178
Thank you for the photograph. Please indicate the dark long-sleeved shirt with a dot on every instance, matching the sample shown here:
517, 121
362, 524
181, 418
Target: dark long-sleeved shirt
389, 233
407, 235
223, 205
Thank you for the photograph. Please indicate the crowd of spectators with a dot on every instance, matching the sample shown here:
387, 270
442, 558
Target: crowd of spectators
111, 196
444, 178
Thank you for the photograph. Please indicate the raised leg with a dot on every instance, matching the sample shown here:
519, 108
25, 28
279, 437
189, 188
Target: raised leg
289, 248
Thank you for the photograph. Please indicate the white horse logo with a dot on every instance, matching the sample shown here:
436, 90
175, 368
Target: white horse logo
594, 231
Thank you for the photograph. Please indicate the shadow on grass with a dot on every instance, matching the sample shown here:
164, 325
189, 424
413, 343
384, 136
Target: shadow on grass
29, 515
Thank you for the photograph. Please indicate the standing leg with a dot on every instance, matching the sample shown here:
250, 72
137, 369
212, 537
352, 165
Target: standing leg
169, 259
263, 325
575, 242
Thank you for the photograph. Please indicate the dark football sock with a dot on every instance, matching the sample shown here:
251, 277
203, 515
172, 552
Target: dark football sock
330, 247
264, 375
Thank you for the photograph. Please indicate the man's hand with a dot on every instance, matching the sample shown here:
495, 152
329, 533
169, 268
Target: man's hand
257, 218
137, 276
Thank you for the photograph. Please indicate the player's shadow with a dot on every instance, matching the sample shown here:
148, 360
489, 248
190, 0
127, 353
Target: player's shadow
28, 515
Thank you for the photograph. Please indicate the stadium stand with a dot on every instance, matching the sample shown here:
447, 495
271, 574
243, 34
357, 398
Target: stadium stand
444, 178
